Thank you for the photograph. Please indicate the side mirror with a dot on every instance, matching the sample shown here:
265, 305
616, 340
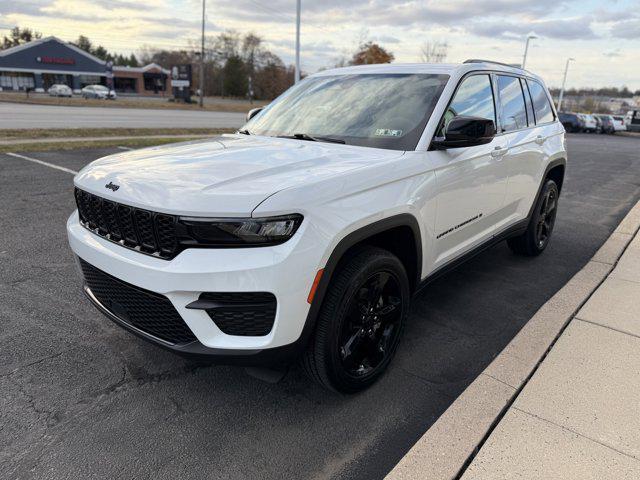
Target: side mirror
253, 112
466, 132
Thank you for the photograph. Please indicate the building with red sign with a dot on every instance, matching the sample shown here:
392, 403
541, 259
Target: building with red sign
39, 64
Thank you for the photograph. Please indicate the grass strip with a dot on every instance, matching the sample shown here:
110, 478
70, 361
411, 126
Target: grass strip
77, 145
39, 133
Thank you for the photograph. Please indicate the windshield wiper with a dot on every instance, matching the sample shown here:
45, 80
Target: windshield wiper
311, 138
244, 132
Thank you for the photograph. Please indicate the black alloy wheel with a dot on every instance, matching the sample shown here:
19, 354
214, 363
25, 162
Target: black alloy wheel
360, 322
371, 325
536, 238
546, 217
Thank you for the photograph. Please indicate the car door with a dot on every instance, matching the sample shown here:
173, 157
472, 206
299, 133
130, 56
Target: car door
470, 182
527, 122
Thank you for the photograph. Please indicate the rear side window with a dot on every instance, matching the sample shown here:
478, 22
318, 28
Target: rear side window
474, 98
541, 105
514, 114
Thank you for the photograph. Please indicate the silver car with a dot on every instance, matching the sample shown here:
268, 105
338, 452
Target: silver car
60, 90
98, 91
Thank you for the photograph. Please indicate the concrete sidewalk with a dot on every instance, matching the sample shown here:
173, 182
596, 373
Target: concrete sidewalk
579, 414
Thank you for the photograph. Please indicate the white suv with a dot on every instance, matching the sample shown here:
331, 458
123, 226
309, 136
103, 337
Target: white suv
305, 234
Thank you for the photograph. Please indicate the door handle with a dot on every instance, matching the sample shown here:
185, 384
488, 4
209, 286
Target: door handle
540, 139
499, 152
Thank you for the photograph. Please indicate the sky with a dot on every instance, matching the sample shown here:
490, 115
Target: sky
602, 36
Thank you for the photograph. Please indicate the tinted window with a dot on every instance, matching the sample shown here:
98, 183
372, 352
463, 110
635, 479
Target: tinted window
541, 104
514, 114
374, 110
527, 99
474, 98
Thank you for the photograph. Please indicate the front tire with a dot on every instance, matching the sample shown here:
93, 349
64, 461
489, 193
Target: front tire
536, 238
360, 322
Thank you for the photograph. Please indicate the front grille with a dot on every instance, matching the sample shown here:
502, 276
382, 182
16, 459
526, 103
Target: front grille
148, 232
147, 311
245, 314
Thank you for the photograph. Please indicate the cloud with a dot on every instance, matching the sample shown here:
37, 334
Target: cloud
387, 39
628, 29
570, 29
612, 53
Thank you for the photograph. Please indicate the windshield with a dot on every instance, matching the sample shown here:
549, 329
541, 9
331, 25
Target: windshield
373, 110
100, 88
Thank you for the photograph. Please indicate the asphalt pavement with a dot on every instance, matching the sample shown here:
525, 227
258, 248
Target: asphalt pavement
19, 115
83, 398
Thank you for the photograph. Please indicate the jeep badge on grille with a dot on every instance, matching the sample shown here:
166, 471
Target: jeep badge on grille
112, 186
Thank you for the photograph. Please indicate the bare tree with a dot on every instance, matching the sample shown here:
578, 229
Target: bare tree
434, 51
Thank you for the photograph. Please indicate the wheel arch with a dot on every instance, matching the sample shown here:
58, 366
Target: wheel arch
399, 234
554, 170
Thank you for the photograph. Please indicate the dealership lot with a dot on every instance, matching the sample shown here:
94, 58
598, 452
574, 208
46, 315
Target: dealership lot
17, 115
83, 398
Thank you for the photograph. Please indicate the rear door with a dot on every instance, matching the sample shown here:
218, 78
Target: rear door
525, 158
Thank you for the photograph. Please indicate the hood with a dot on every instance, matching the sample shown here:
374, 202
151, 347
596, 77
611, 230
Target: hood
224, 176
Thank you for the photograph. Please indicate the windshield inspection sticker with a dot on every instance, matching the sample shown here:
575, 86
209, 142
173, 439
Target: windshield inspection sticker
386, 132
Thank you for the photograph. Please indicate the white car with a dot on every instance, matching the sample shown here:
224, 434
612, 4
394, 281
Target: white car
98, 91
589, 122
305, 234
60, 90
619, 124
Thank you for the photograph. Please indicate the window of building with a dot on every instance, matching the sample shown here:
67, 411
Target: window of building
90, 80
474, 98
541, 105
16, 81
513, 110
125, 85
155, 82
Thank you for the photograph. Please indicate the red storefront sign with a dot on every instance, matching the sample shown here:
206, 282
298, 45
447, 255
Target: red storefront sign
56, 60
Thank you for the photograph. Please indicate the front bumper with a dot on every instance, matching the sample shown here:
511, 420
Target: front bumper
285, 270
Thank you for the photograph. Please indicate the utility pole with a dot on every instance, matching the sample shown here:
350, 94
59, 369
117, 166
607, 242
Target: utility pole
564, 81
298, 8
200, 100
526, 49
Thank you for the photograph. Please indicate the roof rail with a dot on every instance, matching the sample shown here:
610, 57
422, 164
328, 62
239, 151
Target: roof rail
479, 60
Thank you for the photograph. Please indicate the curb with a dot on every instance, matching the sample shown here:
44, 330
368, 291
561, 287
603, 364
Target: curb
446, 449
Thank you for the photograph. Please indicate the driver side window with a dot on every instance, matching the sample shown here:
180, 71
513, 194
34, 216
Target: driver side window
474, 98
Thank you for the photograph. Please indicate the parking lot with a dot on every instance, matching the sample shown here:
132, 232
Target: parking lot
83, 398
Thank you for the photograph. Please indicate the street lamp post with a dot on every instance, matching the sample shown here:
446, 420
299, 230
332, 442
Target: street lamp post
526, 49
564, 81
298, 7
200, 100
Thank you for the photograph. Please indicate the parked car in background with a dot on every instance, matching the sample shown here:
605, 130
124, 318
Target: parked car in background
598, 123
588, 123
303, 235
570, 121
60, 90
98, 91
618, 123
632, 120
607, 123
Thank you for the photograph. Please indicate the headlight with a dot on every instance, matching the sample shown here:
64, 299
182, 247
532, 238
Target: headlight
237, 232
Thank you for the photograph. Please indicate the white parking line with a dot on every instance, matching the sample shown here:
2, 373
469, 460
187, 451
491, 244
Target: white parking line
46, 164
125, 148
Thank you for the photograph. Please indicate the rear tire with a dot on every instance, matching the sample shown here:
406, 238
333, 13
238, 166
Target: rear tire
360, 322
536, 238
